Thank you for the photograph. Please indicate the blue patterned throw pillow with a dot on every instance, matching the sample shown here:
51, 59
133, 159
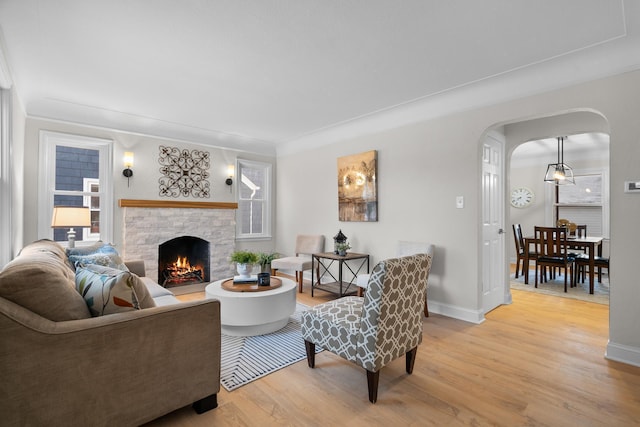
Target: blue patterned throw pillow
108, 290
99, 254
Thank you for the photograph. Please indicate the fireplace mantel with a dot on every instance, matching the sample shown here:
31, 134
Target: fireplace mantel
133, 203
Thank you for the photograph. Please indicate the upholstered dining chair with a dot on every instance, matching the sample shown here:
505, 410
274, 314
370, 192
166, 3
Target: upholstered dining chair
404, 248
306, 245
551, 246
582, 264
373, 330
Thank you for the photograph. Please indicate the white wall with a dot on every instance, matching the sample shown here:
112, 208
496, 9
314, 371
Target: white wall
424, 166
143, 184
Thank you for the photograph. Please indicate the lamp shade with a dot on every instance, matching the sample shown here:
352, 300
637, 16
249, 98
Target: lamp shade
70, 216
559, 174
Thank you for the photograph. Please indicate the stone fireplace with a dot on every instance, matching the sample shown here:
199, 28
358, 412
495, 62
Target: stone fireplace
147, 224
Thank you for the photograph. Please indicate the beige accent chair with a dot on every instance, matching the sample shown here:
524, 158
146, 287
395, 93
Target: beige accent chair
404, 248
373, 330
306, 245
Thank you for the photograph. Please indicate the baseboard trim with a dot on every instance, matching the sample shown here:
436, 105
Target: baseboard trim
472, 316
623, 353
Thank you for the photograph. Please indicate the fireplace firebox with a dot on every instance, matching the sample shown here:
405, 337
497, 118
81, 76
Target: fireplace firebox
183, 261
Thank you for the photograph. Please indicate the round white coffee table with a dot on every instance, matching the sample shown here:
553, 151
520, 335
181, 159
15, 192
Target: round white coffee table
254, 313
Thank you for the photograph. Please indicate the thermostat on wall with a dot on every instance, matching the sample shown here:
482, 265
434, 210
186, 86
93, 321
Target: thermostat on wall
632, 186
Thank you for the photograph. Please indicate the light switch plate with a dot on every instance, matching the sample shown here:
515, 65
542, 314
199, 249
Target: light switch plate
459, 202
632, 186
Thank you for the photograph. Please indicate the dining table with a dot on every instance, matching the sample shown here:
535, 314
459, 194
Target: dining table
592, 245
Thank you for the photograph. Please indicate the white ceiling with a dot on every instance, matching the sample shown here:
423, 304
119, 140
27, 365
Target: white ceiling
282, 75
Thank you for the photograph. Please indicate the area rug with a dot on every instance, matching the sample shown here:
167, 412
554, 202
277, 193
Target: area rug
556, 288
245, 359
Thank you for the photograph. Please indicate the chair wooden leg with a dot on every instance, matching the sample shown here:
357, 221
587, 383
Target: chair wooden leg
372, 383
518, 267
411, 359
311, 353
426, 308
299, 279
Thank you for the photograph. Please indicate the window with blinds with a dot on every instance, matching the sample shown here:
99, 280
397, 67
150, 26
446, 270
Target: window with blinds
583, 203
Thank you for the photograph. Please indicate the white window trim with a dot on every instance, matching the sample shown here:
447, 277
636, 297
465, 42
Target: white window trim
46, 180
267, 219
86, 201
550, 201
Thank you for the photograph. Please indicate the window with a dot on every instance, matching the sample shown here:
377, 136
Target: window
75, 171
92, 185
585, 203
254, 207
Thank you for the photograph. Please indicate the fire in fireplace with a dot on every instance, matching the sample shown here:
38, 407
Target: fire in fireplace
183, 261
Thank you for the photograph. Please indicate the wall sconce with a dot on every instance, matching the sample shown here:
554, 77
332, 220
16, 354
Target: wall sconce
70, 217
128, 162
231, 171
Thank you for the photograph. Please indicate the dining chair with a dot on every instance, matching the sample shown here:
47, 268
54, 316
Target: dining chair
373, 330
575, 231
551, 248
306, 246
582, 263
520, 250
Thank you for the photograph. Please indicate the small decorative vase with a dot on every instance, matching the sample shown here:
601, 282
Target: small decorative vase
342, 252
244, 270
264, 279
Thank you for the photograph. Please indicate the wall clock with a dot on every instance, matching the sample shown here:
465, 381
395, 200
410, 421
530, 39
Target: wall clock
521, 197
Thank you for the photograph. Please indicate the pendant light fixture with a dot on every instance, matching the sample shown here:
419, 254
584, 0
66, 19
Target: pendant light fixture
559, 173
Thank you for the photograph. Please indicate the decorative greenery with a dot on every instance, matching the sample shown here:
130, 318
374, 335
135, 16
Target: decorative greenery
343, 246
244, 257
266, 258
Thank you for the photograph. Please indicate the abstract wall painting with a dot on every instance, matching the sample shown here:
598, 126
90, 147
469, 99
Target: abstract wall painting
357, 187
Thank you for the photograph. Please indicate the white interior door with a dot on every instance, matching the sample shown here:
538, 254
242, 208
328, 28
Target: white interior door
493, 277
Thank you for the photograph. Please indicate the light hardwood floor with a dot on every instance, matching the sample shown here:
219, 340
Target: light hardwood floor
537, 362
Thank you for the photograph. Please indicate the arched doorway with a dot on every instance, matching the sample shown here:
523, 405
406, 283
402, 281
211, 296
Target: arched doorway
516, 133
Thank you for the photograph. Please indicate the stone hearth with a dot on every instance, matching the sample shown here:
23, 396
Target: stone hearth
148, 223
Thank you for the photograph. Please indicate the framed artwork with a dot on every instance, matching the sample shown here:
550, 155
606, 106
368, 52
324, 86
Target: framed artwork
184, 173
357, 187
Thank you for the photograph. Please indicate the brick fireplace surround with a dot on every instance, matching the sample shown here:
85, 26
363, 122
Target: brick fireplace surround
148, 223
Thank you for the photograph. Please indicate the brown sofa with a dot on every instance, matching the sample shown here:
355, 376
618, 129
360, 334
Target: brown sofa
119, 369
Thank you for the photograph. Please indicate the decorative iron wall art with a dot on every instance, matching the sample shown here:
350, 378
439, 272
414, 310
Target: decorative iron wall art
357, 187
184, 173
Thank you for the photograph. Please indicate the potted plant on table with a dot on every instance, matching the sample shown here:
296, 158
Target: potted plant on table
244, 262
342, 248
264, 259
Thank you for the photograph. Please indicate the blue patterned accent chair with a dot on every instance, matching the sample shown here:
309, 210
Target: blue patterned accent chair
373, 330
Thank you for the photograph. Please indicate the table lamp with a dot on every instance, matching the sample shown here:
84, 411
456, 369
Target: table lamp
70, 217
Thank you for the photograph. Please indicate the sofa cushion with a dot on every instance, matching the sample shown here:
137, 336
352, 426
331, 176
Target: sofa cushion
50, 247
108, 290
161, 296
99, 253
39, 279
